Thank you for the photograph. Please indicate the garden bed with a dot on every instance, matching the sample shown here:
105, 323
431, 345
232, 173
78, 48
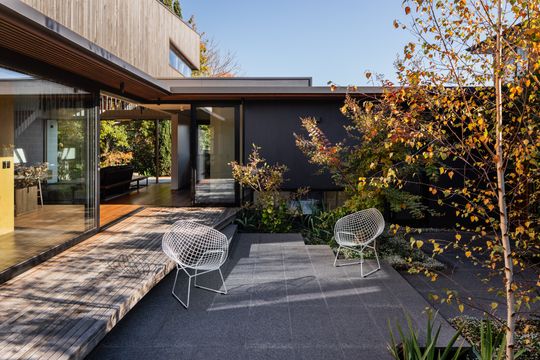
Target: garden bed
527, 334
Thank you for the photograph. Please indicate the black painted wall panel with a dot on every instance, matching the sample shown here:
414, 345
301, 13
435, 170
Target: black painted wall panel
271, 125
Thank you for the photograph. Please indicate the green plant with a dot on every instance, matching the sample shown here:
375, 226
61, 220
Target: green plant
492, 343
488, 337
275, 217
27, 176
410, 348
266, 181
362, 165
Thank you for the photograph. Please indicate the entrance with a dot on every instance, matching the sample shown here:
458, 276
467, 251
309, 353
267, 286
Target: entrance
215, 143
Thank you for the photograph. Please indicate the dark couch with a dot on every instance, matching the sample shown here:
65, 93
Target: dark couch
115, 180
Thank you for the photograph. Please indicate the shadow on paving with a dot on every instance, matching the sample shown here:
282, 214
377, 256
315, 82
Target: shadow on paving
285, 301
471, 282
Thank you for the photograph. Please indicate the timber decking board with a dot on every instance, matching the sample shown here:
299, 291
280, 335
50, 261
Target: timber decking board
65, 306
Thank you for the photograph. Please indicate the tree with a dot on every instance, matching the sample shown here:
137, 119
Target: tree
467, 103
175, 7
214, 62
360, 164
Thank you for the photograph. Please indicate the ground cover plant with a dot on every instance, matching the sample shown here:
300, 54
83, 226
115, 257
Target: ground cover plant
527, 334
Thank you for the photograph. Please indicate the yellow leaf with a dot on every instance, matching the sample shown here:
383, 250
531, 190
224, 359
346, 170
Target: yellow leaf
441, 170
419, 243
451, 174
461, 307
468, 253
458, 237
494, 305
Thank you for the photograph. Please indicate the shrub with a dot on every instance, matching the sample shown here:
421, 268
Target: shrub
270, 212
409, 347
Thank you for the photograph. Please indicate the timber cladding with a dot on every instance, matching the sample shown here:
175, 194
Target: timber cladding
137, 31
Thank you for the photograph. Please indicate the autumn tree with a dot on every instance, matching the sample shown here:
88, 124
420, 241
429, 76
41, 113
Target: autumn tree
360, 164
467, 102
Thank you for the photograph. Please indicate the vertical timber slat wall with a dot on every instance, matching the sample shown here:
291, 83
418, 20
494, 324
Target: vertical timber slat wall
137, 31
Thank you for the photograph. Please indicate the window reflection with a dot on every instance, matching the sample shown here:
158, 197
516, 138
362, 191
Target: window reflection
47, 177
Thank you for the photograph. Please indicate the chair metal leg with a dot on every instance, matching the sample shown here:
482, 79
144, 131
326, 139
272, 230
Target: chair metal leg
337, 255
210, 289
345, 264
186, 304
361, 262
378, 263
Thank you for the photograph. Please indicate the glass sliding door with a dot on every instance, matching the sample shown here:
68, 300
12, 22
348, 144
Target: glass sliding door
48, 172
215, 147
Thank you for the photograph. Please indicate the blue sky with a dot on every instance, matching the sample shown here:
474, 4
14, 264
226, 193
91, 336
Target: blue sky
329, 40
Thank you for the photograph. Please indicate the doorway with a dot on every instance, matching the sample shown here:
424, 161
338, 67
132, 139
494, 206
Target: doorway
215, 145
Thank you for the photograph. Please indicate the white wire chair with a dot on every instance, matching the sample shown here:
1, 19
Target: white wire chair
358, 232
197, 247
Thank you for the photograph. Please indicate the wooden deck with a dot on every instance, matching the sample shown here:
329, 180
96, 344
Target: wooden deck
62, 308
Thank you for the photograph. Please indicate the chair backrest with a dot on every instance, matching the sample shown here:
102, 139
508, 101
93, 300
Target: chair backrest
192, 244
359, 227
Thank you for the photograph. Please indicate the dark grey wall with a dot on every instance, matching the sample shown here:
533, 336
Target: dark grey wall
271, 125
32, 140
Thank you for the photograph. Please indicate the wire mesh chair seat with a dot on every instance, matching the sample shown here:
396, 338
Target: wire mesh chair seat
357, 232
196, 247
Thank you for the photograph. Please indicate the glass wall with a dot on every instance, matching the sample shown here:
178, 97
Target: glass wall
216, 144
47, 177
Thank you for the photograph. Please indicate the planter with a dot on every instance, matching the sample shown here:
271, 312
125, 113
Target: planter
26, 200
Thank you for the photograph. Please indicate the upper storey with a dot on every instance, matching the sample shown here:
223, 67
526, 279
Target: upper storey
141, 32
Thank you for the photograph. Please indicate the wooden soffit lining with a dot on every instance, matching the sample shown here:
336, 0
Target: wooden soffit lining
27, 32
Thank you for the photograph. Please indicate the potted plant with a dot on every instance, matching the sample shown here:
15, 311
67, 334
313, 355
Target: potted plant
27, 181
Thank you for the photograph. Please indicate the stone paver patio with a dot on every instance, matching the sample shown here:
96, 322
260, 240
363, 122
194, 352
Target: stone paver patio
285, 301
469, 281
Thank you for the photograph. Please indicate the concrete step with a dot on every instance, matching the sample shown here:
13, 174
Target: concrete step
230, 231
227, 218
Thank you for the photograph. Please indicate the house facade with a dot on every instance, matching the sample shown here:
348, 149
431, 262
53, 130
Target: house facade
63, 68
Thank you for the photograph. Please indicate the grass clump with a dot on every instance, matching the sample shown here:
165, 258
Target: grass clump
527, 338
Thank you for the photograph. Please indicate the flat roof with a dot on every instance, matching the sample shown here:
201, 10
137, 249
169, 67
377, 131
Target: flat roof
257, 87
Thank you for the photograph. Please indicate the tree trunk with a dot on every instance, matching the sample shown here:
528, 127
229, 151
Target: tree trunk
501, 191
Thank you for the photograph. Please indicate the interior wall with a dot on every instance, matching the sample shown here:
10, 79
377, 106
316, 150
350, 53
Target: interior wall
174, 152
183, 151
223, 142
7, 192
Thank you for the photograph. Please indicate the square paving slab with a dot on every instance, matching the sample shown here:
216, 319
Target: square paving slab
285, 301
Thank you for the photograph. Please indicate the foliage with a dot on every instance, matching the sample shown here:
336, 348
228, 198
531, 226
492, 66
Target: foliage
116, 158
267, 220
113, 144
258, 175
165, 143
26, 176
318, 228
71, 136
487, 336
467, 105
266, 181
409, 347
175, 7
134, 143
492, 346
362, 166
